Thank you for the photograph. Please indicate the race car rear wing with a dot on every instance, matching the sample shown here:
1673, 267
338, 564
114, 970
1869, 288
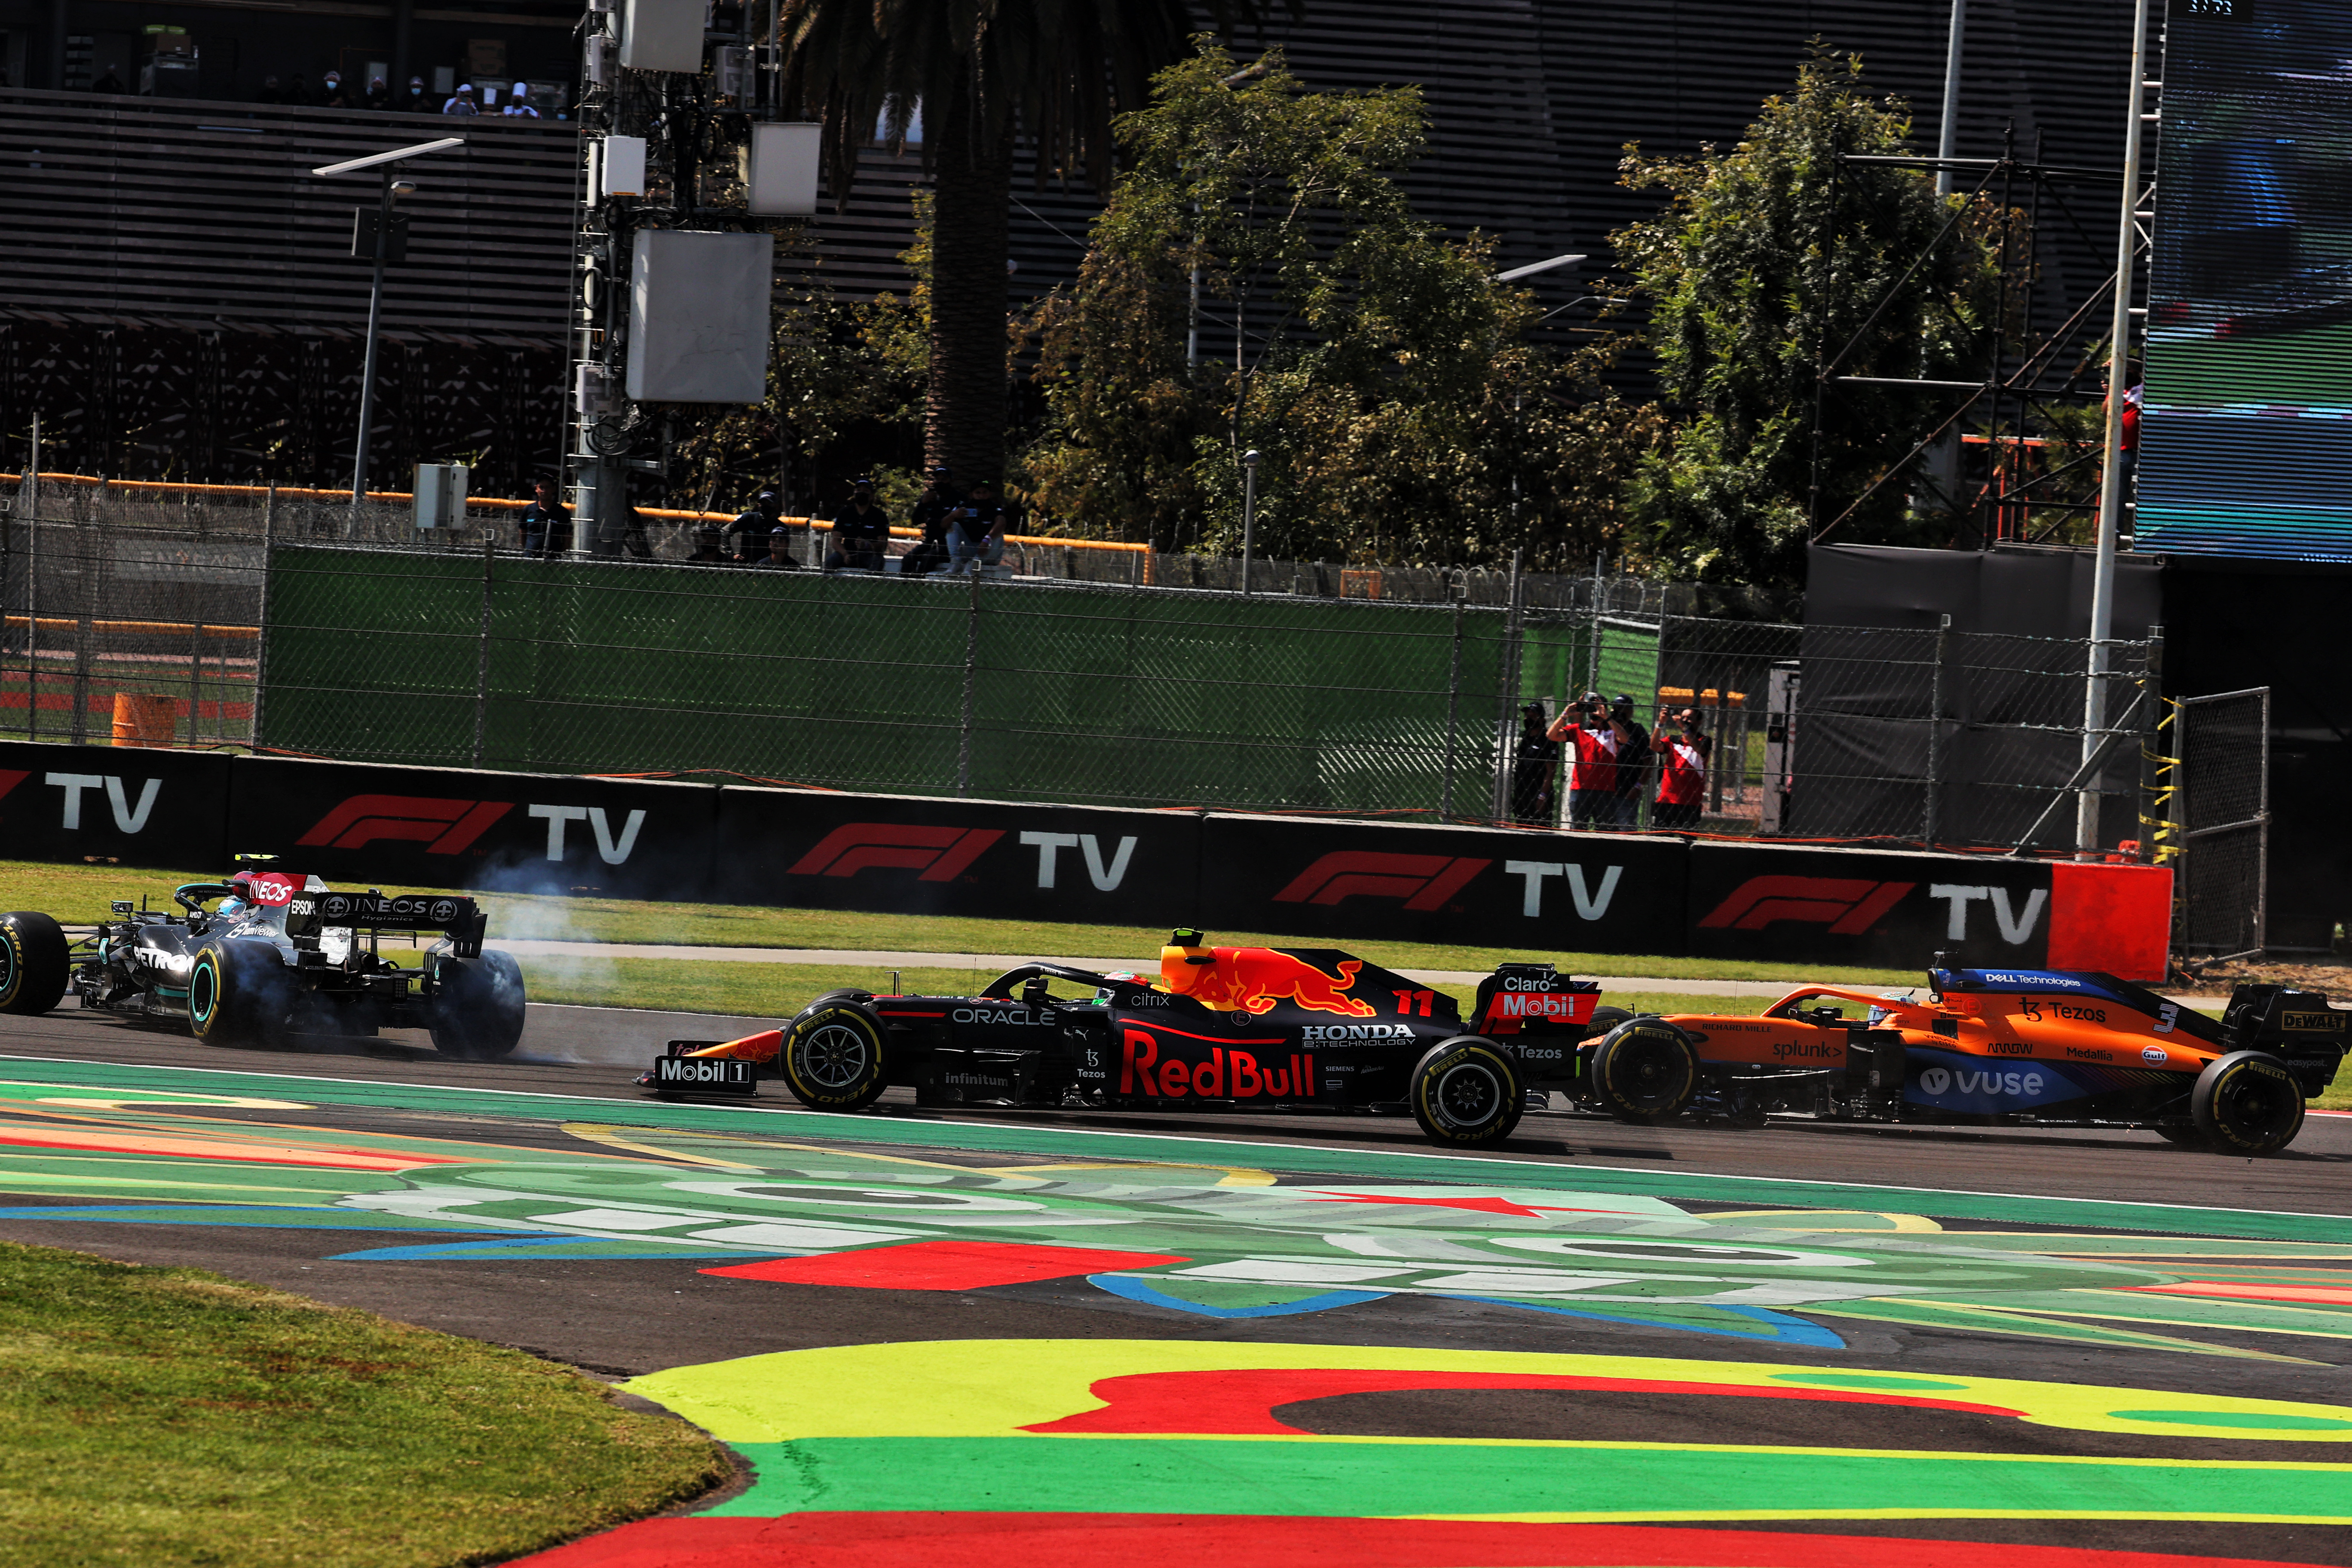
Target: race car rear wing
310, 913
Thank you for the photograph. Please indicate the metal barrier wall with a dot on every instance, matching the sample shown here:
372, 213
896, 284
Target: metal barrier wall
2219, 828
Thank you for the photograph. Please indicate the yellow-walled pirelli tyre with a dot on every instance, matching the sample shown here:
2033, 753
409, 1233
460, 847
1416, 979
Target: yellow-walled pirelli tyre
1644, 1070
237, 993
34, 963
1467, 1093
2247, 1103
833, 1057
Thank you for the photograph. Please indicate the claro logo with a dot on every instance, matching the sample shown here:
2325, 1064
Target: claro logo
1422, 881
1848, 905
443, 827
938, 854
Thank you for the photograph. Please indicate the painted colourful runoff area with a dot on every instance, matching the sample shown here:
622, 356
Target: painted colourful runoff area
1786, 1311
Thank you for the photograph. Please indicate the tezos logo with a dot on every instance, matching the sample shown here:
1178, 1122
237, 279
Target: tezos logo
2036, 1006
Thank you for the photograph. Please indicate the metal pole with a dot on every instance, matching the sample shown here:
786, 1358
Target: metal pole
1931, 824
2111, 490
196, 682
261, 640
1453, 710
1949, 136
971, 688
1249, 512
32, 587
375, 319
482, 659
1507, 664
88, 602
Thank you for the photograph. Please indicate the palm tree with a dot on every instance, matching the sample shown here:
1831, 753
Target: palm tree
979, 71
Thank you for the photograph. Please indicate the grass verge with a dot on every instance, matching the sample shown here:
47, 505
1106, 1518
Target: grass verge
79, 894
171, 1415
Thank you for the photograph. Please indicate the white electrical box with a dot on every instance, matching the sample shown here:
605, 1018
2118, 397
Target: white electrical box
698, 316
779, 168
662, 35
440, 495
622, 166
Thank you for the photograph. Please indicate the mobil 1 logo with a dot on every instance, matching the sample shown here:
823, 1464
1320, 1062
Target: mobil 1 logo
705, 1075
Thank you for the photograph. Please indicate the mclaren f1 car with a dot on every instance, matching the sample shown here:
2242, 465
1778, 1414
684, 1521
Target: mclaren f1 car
267, 954
1989, 1046
1233, 1028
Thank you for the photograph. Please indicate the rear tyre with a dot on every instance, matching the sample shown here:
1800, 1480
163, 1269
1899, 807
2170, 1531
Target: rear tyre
2247, 1103
239, 995
1605, 1019
1467, 1093
34, 963
833, 1057
479, 1015
1646, 1069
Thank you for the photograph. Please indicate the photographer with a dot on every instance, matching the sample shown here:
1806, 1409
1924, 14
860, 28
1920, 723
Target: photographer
1592, 776
1632, 759
1535, 766
1681, 774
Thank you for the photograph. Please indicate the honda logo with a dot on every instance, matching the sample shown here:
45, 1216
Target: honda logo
939, 854
1422, 881
443, 827
1848, 905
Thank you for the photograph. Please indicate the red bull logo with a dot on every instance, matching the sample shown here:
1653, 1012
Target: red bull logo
1253, 979
1222, 1074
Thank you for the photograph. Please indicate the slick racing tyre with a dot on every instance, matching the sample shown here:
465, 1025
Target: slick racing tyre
1605, 1019
1644, 1070
479, 1014
2247, 1103
833, 1057
238, 993
1467, 1093
34, 966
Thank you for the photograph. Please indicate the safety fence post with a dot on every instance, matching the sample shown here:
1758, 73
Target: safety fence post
32, 490
85, 608
1931, 824
482, 655
196, 681
261, 634
1453, 708
1506, 663
2155, 828
970, 686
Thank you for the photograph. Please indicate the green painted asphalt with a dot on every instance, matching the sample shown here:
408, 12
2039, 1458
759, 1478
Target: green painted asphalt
1280, 1158
1291, 1477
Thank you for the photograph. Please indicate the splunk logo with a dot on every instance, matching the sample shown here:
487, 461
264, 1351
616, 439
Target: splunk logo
1811, 1050
936, 854
1422, 881
1989, 1083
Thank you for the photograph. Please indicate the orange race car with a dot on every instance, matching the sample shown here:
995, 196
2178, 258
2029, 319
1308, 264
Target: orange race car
1990, 1048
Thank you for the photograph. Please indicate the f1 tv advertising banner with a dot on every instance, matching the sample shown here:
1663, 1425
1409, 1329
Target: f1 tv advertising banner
2245, 436
1541, 892
140, 807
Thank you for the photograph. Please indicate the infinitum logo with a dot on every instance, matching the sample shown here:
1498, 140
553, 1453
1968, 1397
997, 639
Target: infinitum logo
939, 854
1422, 881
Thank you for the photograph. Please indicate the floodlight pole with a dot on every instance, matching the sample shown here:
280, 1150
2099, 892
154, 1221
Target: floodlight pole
375, 318
1249, 512
2111, 487
1948, 136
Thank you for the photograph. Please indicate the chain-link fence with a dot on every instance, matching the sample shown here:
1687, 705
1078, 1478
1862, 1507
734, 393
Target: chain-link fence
2218, 834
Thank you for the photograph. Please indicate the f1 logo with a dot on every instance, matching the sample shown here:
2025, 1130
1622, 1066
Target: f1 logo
443, 827
1848, 905
1422, 881
940, 853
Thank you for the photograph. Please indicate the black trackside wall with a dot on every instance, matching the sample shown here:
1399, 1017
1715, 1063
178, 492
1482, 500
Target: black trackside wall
1541, 894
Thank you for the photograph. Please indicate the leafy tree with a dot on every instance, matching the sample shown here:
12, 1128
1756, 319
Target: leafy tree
1376, 366
977, 71
1767, 262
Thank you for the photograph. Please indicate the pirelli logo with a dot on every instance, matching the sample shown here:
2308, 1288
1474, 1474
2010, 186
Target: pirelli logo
2328, 1021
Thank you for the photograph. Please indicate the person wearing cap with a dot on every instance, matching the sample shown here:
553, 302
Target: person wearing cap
1632, 759
933, 511
544, 528
414, 101
1682, 774
706, 547
1592, 776
746, 537
780, 552
1535, 771
332, 94
861, 531
379, 94
462, 102
976, 537
518, 102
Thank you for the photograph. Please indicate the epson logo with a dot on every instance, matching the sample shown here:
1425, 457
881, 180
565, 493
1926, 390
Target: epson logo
1329, 1033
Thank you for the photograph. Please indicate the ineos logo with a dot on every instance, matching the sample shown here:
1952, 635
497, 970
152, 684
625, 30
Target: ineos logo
335, 907
445, 909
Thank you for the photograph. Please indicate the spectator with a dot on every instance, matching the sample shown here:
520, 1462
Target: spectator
977, 537
298, 89
330, 92
518, 102
1535, 769
414, 101
938, 499
1592, 776
1632, 759
462, 101
706, 548
271, 92
860, 532
110, 82
544, 527
379, 94
1681, 774
780, 551
747, 536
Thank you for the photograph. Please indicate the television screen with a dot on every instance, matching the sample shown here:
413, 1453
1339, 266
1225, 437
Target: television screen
2245, 431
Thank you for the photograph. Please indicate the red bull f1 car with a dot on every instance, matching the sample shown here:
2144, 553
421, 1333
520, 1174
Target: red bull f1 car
1237, 1028
275, 953
1989, 1047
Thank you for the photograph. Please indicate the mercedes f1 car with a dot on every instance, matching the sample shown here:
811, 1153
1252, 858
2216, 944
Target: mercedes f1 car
1241, 1029
1990, 1048
277, 954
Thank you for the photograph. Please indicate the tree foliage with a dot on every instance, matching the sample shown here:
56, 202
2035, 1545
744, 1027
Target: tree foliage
1767, 263
1374, 364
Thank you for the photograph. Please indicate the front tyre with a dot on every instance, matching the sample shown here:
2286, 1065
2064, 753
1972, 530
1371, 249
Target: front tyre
833, 1057
479, 1014
2247, 1103
34, 963
1467, 1093
238, 993
1644, 1070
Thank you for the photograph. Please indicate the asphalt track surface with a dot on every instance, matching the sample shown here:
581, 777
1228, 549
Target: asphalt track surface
973, 1337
